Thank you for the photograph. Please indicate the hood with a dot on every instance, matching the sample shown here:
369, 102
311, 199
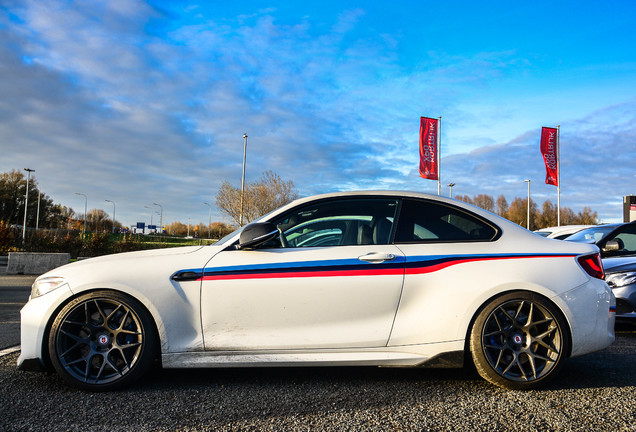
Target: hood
131, 259
619, 264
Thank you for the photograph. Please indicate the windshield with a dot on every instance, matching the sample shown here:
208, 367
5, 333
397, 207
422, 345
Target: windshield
594, 234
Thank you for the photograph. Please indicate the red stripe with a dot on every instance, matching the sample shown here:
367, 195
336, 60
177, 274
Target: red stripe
436, 267
370, 272
365, 272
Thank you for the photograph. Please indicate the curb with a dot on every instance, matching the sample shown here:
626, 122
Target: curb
9, 350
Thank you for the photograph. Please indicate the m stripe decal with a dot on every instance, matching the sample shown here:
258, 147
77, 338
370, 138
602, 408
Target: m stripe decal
352, 267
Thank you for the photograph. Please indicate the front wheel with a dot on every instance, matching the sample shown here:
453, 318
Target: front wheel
519, 341
102, 340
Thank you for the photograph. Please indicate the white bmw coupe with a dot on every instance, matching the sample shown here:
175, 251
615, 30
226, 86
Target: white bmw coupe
367, 278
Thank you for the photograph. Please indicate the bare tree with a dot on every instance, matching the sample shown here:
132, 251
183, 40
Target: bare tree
587, 217
502, 206
484, 201
262, 196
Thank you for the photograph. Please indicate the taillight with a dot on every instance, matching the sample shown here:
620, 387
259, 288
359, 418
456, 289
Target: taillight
593, 265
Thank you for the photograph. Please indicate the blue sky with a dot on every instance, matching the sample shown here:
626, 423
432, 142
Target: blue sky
141, 102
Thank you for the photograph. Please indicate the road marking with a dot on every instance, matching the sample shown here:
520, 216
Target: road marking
9, 322
11, 304
9, 350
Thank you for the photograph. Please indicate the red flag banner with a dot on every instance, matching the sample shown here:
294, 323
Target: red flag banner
550, 155
428, 148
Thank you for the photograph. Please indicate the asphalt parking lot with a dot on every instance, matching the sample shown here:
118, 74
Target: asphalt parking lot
596, 392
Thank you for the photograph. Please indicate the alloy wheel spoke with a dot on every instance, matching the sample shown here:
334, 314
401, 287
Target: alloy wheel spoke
113, 313
71, 349
530, 315
73, 336
101, 312
533, 365
519, 309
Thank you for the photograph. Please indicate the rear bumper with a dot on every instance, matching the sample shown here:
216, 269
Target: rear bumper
591, 310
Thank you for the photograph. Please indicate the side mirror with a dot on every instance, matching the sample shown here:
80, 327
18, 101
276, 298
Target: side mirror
612, 245
256, 234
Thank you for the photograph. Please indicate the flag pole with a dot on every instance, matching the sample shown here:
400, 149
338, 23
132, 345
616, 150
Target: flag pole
558, 176
439, 156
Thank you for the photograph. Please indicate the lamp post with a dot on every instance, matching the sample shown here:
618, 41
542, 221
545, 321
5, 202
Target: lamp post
152, 211
37, 216
114, 208
161, 217
528, 217
26, 202
85, 209
209, 219
450, 185
243, 179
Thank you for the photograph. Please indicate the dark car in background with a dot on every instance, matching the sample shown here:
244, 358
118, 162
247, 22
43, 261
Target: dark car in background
618, 251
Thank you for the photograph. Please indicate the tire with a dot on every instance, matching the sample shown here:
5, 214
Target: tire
102, 341
519, 341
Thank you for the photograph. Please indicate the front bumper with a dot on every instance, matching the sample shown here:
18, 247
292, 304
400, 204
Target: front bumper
34, 322
625, 302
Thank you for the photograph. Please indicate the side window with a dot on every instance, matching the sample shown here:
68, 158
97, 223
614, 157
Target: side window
339, 222
426, 221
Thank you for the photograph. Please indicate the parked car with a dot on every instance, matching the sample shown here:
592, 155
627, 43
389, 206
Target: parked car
618, 250
368, 278
560, 232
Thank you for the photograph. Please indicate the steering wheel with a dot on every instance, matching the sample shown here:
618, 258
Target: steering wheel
283, 239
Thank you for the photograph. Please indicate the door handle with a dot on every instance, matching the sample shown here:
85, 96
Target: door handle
377, 257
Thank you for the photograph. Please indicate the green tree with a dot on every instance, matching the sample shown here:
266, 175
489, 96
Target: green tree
12, 195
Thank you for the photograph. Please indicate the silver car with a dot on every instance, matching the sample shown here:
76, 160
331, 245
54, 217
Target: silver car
618, 250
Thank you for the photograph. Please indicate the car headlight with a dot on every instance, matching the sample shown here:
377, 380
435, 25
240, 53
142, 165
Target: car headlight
616, 280
46, 285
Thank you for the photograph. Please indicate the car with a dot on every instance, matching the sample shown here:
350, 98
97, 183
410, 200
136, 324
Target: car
618, 252
376, 278
560, 232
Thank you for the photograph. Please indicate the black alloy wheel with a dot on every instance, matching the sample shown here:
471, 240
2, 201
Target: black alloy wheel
519, 341
102, 340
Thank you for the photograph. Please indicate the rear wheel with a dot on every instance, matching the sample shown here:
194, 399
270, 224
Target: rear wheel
102, 340
519, 341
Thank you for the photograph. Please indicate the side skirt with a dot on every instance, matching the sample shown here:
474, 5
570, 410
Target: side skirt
445, 354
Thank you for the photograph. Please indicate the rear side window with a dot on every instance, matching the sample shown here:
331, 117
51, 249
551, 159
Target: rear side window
426, 221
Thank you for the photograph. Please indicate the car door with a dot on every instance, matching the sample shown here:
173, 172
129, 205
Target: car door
334, 281
435, 238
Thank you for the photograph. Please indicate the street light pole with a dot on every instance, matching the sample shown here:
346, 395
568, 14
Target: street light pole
528, 220
37, 216
85, 209
114, 208
243, 179
161, 220
450, 185
152, 211
26, 202
209, 219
